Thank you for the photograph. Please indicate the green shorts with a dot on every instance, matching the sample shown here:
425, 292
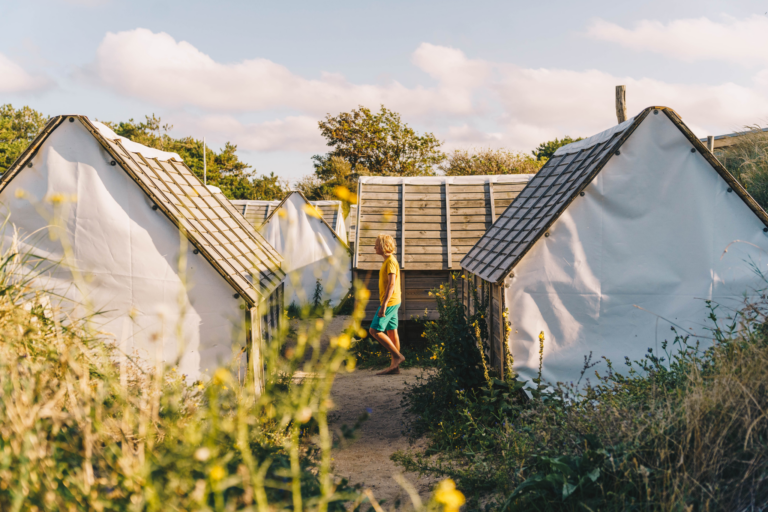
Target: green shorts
387, 322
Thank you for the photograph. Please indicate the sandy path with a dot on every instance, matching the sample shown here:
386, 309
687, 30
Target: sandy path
365, 460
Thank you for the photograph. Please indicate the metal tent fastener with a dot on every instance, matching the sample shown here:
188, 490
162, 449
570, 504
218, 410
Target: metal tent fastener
195, 252
655, 112
71, 119
29, 164
618, 153
113, 163
765, 230
693, 150
730, 189
237, 295
154, 207
546, 235
582, 194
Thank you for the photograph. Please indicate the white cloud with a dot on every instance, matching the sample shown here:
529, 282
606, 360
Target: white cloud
293, 133
517, 107
696, 39
14, 79
157, 68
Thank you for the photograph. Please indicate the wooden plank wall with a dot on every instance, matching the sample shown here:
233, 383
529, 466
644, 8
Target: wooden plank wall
351, 222
495, 319
415, 286
432, 220
428, 212
273, 317
330, 213
255, 214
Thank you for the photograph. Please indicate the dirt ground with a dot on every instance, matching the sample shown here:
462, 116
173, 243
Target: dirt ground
365, 460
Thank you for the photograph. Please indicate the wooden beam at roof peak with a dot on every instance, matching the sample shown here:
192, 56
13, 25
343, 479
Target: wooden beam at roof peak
621, 103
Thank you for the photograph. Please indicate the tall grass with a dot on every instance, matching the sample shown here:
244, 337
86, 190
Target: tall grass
83, 427
747, 160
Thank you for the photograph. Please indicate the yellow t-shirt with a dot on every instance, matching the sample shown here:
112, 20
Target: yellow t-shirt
390, 266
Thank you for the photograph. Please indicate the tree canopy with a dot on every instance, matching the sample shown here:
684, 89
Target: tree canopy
378, 144
546, 149
463, 162
18, 127
224, 169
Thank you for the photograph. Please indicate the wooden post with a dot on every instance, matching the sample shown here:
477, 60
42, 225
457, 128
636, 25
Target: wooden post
711, 143
256, 363
621, 103
402, 225
357, 226
403, 294
448, 224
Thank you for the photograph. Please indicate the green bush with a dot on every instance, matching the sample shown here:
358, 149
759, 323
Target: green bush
682, 430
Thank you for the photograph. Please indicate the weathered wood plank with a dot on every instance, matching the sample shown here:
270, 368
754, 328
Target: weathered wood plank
408, 258
382, 188
427, 226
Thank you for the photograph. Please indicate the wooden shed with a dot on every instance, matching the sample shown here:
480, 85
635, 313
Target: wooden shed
618, 238
435, 222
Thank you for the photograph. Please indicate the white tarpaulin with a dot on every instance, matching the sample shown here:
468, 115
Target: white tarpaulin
311, 251
650, 232
127, 253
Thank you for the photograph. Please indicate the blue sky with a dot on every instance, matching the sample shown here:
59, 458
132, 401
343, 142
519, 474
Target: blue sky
477, 74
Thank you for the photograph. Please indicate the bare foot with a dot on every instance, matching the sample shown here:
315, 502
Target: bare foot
389, 371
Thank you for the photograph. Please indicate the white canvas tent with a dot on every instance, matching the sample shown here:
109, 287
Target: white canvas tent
618, 238
311, 248
156, 249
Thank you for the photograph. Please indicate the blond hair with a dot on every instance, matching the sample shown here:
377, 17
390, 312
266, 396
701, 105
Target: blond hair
386, 243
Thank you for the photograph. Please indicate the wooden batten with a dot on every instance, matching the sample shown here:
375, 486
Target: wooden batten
402, 220
448, 224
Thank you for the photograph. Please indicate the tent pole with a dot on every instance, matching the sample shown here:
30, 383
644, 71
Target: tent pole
205, 166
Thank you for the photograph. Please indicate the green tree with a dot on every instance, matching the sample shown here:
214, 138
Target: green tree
546, 149
18, 127
379, 143
224, 169
489, 161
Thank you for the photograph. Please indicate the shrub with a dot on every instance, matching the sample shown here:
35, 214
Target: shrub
682, 430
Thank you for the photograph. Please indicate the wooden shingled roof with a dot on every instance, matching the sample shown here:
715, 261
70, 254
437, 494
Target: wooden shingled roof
557, 184
212, 225
435, 220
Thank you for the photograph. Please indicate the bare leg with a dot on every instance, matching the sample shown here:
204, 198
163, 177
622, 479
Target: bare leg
392, 334
387, 343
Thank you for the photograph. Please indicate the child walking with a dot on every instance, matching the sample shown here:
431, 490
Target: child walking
384, 325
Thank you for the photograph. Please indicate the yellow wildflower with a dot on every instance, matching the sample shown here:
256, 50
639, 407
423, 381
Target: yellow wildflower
341, 192
447, 495
217, 473
312, 211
